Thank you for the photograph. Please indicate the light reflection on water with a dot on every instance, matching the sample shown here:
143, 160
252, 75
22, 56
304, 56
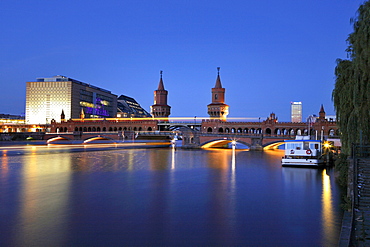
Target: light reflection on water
165, 197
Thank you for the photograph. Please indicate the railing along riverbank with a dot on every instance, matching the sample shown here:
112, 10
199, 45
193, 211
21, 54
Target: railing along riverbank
356, 222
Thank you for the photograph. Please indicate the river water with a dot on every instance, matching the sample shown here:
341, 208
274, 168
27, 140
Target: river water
164, 197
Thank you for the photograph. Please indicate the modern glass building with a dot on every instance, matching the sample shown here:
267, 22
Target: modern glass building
46, 98
296, 112
129, 107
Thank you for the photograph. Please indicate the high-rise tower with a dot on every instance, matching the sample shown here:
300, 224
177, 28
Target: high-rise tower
160, 109
296, 112
218, 109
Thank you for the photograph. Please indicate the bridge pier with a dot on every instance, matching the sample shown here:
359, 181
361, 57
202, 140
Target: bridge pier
256, 143
190, 139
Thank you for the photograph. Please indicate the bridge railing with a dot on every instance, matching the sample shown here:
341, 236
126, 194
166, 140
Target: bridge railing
157, 132
249, 135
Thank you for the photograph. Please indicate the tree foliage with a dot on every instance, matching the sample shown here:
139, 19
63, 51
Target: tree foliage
351, 94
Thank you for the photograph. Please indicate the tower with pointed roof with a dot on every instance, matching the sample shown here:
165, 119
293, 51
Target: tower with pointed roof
62, 116
160, 109
322, 114
218, 109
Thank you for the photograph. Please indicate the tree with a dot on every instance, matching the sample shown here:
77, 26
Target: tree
351, 95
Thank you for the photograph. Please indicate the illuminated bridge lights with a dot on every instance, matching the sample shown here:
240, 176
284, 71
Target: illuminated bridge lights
98, 138
273, 145
221, 144
58, 138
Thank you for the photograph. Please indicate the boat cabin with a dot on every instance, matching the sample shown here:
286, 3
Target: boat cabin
303, 148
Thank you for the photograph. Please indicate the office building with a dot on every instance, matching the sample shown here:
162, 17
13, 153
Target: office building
48, 98
296, 112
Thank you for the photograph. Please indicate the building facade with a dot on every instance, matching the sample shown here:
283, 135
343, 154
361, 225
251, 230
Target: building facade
218, 109
296, 112
160, 109
47, 98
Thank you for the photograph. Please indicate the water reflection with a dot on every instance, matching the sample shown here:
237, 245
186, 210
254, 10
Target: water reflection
173, 158
4, 166
327, 208
45, 196
165, 197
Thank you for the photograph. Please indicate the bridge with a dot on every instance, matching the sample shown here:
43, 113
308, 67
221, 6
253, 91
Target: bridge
196, 133
193, 139
190, 138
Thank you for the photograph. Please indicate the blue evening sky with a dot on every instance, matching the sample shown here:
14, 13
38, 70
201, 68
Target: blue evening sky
270, 52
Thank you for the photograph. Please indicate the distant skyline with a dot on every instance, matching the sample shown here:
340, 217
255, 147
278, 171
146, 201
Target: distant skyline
270, 52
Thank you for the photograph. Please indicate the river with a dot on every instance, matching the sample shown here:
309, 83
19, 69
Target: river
164, 197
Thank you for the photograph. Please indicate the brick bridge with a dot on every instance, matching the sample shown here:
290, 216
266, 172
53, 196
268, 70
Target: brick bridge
257, 135
218, 132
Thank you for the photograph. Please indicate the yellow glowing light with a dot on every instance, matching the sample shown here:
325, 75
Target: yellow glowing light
273, 146
58, 138
327, 144
83, 103
104, 102
96, 138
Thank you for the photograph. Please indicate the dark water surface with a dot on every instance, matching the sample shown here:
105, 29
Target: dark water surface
162, 197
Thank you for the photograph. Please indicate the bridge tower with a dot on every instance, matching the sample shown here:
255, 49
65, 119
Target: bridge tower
160, 109
218, 109
322, 114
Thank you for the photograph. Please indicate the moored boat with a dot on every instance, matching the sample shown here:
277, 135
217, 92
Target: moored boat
303, 153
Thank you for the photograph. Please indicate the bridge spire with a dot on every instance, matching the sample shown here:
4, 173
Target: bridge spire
322, 113
218, 109
160, 85
62, 116
160, 108
218, 80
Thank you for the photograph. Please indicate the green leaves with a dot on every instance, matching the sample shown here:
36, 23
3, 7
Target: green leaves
351, 95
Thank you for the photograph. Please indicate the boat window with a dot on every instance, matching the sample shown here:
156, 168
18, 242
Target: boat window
294, 145
306, 146
314, 146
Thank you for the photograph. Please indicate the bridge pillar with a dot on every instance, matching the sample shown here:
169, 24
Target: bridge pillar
190, 139
256, 143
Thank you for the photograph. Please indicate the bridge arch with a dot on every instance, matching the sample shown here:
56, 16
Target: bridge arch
57, 139
178, 127
221, 143
273, 145
98, 138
